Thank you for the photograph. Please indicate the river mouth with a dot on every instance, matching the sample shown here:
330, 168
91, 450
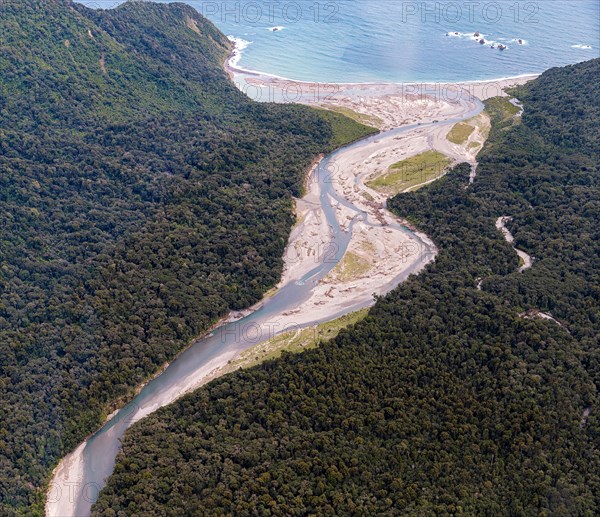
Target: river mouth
82, 474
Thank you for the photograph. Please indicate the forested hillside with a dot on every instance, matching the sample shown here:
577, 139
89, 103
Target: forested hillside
142, 197
446, 399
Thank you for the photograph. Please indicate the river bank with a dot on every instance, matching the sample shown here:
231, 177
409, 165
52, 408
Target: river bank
345, 247
526, 261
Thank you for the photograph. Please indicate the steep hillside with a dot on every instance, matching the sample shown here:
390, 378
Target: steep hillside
142, 196
447, 399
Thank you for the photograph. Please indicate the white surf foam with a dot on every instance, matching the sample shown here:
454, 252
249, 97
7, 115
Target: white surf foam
476, 37
239, 46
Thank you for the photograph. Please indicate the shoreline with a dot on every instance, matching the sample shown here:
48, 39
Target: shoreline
235, 69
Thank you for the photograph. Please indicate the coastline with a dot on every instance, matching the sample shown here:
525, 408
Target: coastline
383, 98
233, 69
236, 70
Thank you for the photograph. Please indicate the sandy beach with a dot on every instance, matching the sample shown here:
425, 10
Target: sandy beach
384, 105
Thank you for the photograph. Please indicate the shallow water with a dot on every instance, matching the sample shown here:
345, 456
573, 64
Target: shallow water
404, 41
400, 41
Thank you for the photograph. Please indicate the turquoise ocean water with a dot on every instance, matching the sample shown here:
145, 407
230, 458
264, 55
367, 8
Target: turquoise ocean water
398, 41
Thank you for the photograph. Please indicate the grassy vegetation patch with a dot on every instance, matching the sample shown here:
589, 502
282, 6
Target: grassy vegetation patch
295, 341
367, 196
351, 267
460, 133
411, 172
345, 129
501, 106
362, 118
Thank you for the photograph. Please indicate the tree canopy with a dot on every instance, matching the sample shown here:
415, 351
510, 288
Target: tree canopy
142, 197
446, 399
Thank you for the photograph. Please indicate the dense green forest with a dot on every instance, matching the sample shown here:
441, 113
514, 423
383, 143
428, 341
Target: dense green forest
142, 197
443, 400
